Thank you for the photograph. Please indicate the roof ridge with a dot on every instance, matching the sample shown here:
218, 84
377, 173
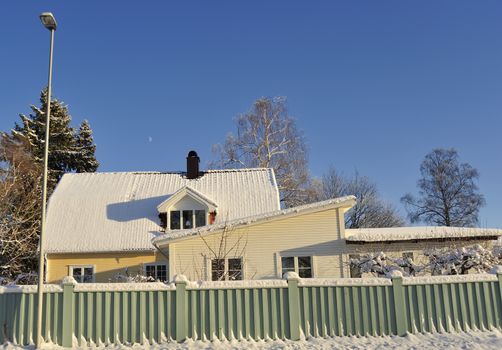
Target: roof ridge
168, 172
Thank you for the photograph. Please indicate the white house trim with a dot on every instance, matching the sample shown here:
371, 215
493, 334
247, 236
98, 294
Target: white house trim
183, 192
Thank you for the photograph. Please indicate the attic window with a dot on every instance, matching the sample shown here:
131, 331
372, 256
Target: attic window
163, 219
187, 219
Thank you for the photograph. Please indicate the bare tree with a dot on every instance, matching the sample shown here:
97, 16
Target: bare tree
448, 194
20, 191
268, 137
370, 210
227, 247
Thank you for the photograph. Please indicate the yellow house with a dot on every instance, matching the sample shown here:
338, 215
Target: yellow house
212, 225
102, 224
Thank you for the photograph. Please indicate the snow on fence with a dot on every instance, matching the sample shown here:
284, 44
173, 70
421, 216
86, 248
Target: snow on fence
86, 314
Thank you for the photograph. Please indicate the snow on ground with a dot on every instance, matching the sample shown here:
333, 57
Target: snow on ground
472, 340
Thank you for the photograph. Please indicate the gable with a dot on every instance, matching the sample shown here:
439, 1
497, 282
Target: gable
187, 198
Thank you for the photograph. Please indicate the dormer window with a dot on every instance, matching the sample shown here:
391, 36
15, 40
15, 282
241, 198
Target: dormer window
186, 209
187, 219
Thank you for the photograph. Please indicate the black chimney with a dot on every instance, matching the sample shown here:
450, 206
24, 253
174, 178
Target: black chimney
192, 165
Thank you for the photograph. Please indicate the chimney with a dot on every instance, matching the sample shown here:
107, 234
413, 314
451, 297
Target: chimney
192, 165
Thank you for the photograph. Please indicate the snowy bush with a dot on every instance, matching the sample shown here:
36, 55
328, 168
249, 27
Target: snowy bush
445, 261
21, 279
379, 264
127, 277
459, 261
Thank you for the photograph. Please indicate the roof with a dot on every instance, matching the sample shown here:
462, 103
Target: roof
177, 235
418, 233
112, 212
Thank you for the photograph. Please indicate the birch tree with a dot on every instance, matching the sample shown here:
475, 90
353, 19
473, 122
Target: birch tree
268, 137
448, 194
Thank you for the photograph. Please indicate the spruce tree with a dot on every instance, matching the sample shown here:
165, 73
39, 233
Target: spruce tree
68, 150
21, 163
86, 161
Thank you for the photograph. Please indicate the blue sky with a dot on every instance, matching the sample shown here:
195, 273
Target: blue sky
374, 85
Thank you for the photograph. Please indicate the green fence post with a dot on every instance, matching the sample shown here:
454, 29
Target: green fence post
68, 285
294, 305
181, 307
399, 305
498, 270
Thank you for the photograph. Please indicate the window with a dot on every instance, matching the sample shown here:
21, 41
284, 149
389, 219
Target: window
82, 274
217, 269
175, 220
200, 218
288, 264
157, 271
355, 270
302, 265
163, 220
235, 269
305, 266
187, 218
226, 269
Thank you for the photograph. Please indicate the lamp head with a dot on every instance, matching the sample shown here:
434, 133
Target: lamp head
48, 20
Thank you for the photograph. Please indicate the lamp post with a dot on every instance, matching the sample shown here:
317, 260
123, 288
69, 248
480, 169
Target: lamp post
49, 22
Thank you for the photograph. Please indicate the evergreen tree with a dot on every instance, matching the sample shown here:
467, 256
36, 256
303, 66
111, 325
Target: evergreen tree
68, 150
86, 162
21, 164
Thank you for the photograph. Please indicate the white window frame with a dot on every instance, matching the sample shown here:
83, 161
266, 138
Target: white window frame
168, 219
296, 265
93, 267
210, 268
157, 264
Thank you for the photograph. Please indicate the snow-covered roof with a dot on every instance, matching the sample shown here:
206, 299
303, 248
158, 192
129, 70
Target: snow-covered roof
111, 212
418, 233
176, 235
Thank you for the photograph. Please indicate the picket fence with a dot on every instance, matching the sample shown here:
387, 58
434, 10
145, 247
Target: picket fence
86, 314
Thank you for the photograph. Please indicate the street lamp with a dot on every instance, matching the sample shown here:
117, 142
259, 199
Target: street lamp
49, 22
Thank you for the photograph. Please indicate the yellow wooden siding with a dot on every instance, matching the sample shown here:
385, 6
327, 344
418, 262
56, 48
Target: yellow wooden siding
106, 265
261, 245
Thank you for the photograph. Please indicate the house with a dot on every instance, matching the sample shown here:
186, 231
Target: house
99, 224
211, 225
